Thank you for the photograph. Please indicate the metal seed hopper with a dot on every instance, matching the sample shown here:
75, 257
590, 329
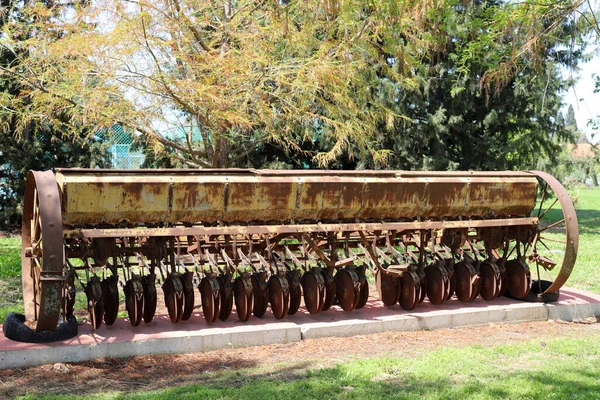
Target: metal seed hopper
260, 238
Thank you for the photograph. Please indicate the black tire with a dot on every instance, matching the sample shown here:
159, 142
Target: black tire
14, 328
537, 296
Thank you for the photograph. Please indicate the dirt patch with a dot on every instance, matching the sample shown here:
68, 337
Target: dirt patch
280, 361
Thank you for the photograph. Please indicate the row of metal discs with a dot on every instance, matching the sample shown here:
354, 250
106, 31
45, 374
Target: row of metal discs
251, 292
444, 278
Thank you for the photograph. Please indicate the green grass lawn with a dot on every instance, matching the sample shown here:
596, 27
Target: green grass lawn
557, 368
586, 273
11, 298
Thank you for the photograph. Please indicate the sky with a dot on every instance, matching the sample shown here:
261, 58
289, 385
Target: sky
585, 102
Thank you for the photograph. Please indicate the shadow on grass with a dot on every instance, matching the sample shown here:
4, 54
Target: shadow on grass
588, 220
336, 383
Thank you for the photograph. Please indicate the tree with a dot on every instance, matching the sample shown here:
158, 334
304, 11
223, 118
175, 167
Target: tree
450, 123
570, 120
247, 75
31, 144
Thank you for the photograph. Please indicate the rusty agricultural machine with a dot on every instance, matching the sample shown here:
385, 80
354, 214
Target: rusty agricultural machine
254, 238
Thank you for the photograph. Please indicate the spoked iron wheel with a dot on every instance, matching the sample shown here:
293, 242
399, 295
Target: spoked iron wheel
313, 289
93, 291
42, 251
134, 299
226, 291
556, 238
211, 297
244, 296
110, 295
150, 298
173, 292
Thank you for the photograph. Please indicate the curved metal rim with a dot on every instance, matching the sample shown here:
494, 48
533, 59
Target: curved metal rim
571, 227
45, 315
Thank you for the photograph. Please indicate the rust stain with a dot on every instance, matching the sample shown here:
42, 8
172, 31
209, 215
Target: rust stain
92, 198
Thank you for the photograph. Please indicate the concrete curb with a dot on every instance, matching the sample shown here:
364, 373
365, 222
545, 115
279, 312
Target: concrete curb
162, 337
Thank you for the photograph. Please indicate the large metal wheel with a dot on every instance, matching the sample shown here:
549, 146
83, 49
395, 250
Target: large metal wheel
557, 233
42, 251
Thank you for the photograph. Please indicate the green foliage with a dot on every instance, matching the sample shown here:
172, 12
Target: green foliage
35, 143
10, 258
316, 83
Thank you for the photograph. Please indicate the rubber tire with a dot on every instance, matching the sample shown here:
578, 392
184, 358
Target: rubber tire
14, 328
535, 297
